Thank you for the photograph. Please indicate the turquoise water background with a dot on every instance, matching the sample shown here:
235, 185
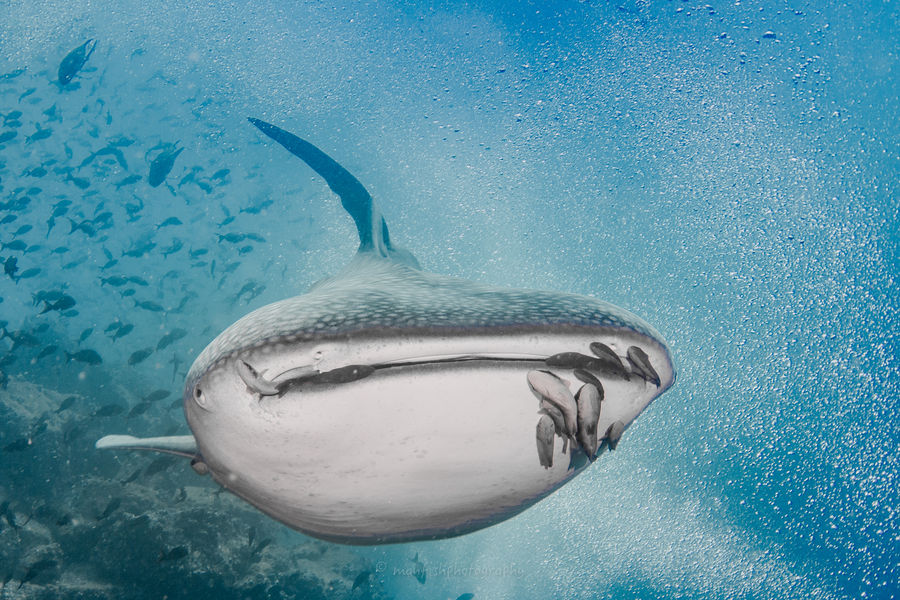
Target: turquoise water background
728, 171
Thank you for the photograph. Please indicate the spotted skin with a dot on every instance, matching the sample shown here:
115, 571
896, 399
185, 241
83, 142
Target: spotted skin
377, 296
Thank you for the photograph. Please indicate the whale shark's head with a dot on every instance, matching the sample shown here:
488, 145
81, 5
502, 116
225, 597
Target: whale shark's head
209, 400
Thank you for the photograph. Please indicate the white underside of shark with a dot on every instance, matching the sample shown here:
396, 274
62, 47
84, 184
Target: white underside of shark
389, 404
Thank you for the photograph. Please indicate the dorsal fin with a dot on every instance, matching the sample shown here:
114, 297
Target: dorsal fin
356, 200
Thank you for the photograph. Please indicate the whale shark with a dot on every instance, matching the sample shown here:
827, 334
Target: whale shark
389, 404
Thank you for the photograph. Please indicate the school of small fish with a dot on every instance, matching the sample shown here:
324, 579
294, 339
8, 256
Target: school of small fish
82, 198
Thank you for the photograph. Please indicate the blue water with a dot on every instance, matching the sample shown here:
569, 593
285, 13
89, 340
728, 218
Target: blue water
727, 171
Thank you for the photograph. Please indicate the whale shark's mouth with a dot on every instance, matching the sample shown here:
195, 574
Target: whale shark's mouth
586, 368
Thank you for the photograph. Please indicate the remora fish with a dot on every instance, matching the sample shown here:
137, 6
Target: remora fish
389, 404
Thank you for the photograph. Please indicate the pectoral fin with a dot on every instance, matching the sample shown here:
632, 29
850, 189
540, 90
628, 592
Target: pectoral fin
180, 445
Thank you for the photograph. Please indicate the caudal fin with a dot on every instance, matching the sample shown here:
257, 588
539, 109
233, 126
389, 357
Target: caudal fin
356, 200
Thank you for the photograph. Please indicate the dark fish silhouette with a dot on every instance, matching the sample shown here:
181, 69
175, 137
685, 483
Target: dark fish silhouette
130, 180
140, 250
419, 569
17, 445
113, 280
36, 569
86, 356
149, 305
74, 61
123, 331
15, 245
21, 338
162, 165
113, 505
176, 553
157, 395
51, 349
73, 264
80, 182
86, 226
107, 151
73, 432
139, 356
46, 296
174, 247
12, 74
361, 579
139, 409
134, 209
168, 222
10, 266
108, 410
64, 303
258, 208
249, 287
109, 264
160, 464
189, 178
9, 515
39, 134
52, 114
170, 338
234, 238
66, 403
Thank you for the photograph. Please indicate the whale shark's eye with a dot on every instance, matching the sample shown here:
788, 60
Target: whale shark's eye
199, 398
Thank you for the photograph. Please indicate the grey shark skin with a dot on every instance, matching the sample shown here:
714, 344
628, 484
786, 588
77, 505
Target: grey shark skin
388, 404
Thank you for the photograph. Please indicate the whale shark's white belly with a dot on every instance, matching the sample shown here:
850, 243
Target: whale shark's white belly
412, 452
